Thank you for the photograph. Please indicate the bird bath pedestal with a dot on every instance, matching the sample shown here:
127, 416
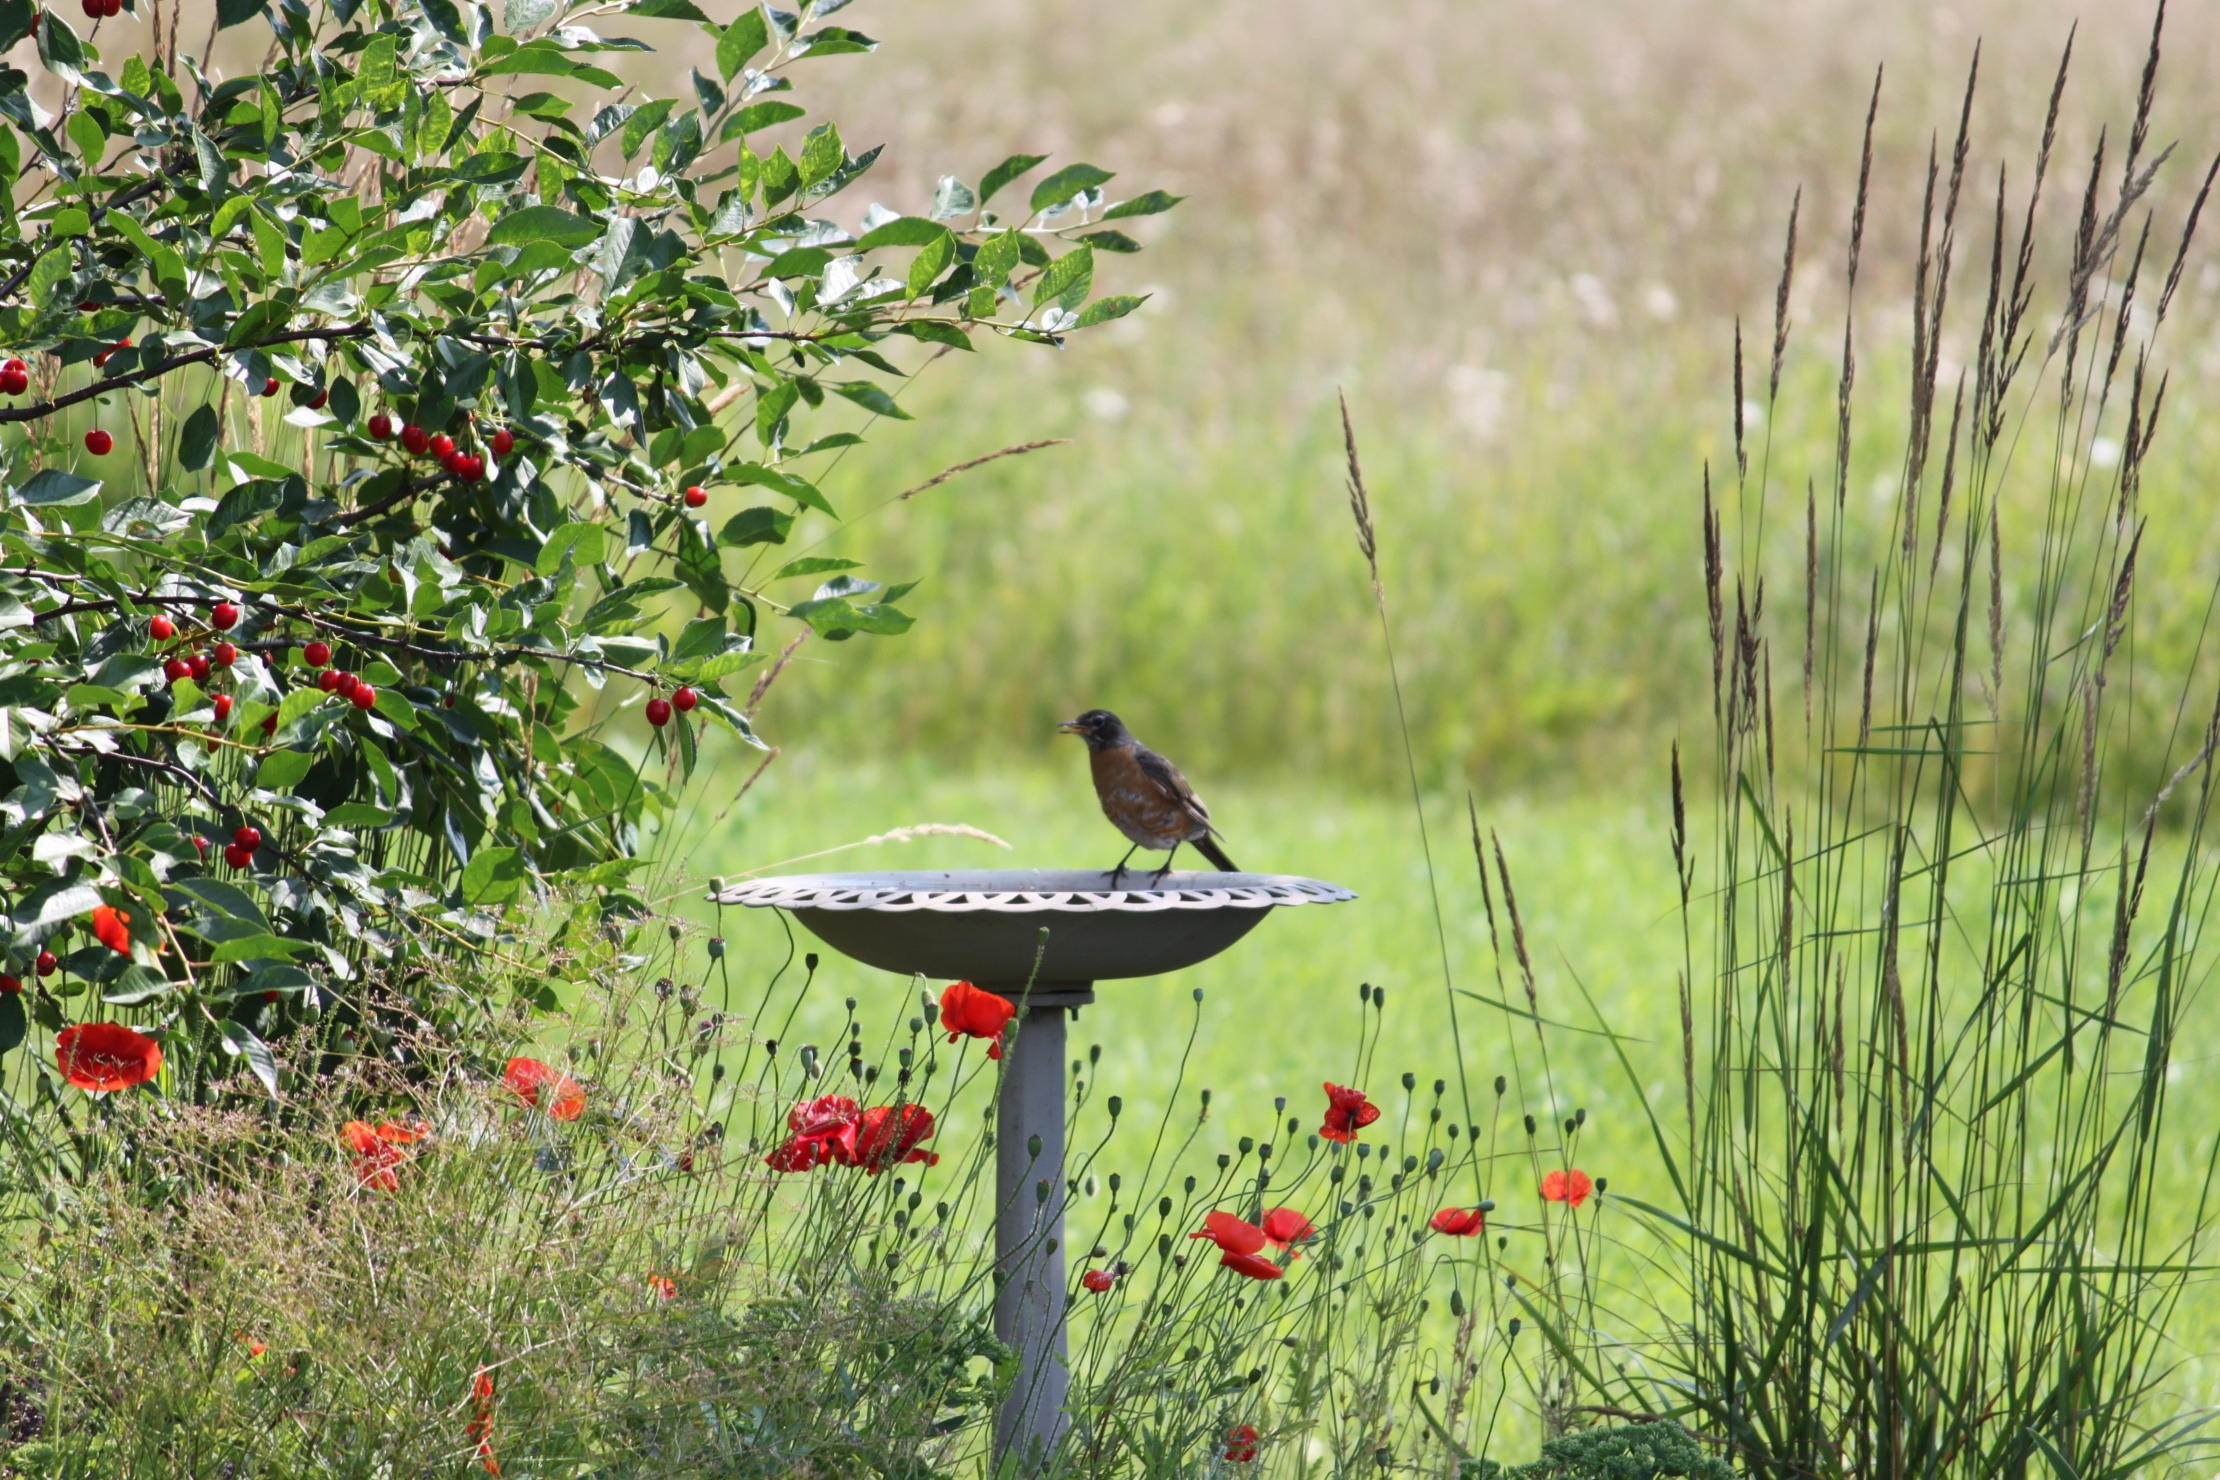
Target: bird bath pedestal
986, 927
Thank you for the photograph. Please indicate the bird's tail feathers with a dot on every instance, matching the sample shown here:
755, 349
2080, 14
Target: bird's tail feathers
1208, 848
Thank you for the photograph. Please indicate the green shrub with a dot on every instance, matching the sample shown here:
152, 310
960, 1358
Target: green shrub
367, 416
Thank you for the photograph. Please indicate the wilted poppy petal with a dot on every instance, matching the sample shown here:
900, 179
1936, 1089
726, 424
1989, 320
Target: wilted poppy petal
885, 1135
98, 1057
1255, 1266
1098, 1280
1459, 1222
1241, 1444
112, 927
1231, 1234
1285, 1226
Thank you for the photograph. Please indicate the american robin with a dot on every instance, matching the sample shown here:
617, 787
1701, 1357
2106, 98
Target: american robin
1143, 794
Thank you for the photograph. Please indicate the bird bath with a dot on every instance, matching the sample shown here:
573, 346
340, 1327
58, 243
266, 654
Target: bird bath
985, 927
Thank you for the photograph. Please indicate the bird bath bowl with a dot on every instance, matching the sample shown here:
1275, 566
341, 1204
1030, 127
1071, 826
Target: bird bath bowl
985, 927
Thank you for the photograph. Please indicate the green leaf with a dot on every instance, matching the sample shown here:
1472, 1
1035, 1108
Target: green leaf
1003, 173
224, 898
871, 398
822, 154
543, 223
903, 231
239, 1041
642, 123
525, 15
51, 486
231, 13
1066, 183
1111, 241
762, 525
702, 636
929, 264
1103, 310
14, 1024
584, 542
670, 10
801, 490
833, 41
258, 947
196, 445
741, 40
1153, 203
493, 876
758, 116
699, 566
814, 565
1067, 279
282, 770
932, 331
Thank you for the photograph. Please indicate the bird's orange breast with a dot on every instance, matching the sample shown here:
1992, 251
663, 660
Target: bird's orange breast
1135, 803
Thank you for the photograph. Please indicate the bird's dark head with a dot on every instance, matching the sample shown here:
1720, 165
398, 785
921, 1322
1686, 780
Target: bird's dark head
1099, 728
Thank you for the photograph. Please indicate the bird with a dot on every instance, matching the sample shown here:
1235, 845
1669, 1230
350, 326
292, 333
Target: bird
1143, 794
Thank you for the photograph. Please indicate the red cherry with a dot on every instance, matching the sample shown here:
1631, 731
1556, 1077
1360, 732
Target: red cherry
249, 838
102, 357
696, 496
316, 654
199, 666
476, 472
455, 462
113, 8
316, 402
269, 387
381, 426
176, 669
161, 629
441, 445
328, 680
223, 616
447, 700
364, 695
99, 443
223, 708
685, 699
269, 724
344, 683
415, 439
224, 656
237, 856
10, 984
201, 843
47, 962
503, 441
659, 712
15, 378
95, 9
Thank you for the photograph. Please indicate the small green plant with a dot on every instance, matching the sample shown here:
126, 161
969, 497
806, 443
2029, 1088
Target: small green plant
367, 418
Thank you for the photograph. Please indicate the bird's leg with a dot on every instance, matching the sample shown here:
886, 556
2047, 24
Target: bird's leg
1158, 876
1119, 872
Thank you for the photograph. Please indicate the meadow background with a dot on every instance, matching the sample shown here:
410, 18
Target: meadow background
1518, 235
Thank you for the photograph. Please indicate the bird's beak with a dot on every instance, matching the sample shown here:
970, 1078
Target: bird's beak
1068, 727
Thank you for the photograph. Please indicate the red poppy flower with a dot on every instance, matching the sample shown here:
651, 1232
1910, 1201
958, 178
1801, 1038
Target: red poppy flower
1570, 1188
105, 1056
1098, 1280
112, 927
527, 1077
1255, 1266
1347, 1112
1459, 1222
1239, 1245
967, 1011
1287, 1228
1241, 1444
480, 1431
378, 1153
816, 1125
885, 1135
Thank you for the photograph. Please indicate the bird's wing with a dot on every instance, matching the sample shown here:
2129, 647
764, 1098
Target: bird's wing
1166, 775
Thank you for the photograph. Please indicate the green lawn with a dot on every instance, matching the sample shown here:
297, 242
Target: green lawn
1281, 1010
